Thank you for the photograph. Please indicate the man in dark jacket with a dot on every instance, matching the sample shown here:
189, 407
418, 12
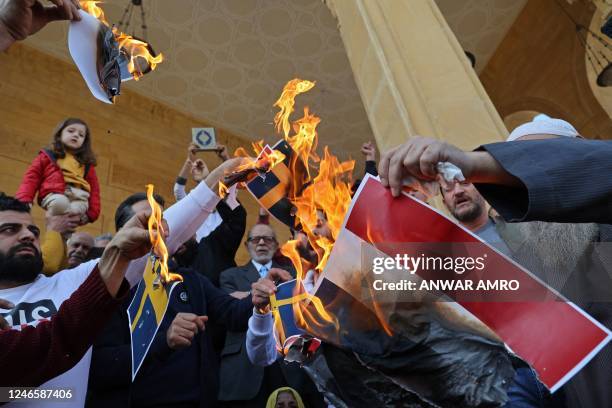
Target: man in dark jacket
181, 368
216, 251
242, 383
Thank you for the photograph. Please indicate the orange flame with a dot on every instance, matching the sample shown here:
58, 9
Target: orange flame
286, 102
91, 7
223, 189
134, 49
156, 234
321, 202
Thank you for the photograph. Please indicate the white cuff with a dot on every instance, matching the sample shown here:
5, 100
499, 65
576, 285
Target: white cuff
261, 324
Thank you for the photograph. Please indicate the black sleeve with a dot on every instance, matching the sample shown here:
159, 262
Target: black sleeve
229, 234
225, 309
111, 358
564, 180
370, 167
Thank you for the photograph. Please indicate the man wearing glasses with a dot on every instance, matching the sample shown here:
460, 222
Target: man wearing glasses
241, 382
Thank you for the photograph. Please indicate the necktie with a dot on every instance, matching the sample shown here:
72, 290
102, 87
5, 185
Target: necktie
263, 271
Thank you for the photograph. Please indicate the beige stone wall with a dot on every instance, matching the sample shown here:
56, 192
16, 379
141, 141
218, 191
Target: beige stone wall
137, 140
413, 75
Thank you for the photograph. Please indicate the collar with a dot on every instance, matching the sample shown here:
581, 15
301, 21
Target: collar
258, 266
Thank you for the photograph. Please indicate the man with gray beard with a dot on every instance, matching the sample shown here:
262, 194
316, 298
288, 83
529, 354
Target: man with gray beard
568, 257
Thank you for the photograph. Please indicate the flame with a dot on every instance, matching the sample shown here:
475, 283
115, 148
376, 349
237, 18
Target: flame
321, 203
136, 49
223, 189
133, 48
286, 102
91, 7
156, 234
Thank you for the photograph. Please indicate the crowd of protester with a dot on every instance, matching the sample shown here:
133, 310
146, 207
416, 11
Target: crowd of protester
65, 295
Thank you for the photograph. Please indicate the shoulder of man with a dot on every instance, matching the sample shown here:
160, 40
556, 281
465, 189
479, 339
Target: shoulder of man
74, 277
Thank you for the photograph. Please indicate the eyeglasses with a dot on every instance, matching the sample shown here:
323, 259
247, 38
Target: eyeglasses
267, 240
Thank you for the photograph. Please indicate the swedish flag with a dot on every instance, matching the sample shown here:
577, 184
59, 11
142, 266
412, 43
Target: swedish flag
147, 310
271, 192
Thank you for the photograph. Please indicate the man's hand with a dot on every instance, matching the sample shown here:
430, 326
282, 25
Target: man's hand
22, 18
183, 329
198, 170
191, 152
130, 242
212, 180
369, 151
5, 304
418, 158
265, 287
64, 224
132, 239
222, 152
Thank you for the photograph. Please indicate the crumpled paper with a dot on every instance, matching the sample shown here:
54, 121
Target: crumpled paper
448, 171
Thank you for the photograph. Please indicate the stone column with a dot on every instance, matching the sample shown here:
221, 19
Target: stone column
413, 75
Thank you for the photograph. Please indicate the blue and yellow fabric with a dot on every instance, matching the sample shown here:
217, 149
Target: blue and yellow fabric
147, 310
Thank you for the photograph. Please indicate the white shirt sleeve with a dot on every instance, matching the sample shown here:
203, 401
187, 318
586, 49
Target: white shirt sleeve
184, 218
260, 342
179, 191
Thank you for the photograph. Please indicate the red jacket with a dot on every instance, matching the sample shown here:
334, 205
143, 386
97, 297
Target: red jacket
45, 177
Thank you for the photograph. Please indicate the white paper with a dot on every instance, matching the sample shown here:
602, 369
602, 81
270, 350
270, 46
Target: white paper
83, 47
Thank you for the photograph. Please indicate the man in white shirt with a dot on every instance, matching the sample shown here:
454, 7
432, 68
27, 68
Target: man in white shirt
37, 297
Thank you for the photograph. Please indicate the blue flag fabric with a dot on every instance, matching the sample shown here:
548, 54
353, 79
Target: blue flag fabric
272, 190
147, 310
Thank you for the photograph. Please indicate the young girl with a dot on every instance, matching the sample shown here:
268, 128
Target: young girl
63, 174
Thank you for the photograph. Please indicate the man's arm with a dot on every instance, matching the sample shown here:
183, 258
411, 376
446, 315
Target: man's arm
20, 19
556, 180
39, 353
260, 342
225, 309
561, 180
185, 216
53, 246
232, 229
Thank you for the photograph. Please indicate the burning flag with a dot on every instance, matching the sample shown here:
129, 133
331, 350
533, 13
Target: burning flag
150, 302
272, 188
104, 55
457, 339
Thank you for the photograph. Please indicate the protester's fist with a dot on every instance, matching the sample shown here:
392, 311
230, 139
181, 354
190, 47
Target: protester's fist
369, 151
183, 329
64, 224
265, 287
5, 304
22, 18
222, 152
132, 239
418, 158
199, 170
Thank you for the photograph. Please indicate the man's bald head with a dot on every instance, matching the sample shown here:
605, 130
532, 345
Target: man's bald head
79, 245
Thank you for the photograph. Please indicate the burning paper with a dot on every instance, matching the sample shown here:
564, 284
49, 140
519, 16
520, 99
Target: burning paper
104, 56
455, 337
150, 302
